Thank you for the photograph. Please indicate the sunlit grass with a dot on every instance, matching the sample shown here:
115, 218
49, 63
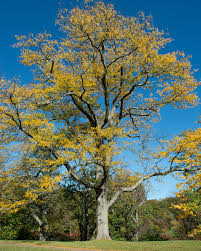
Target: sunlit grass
17, 248
108, 245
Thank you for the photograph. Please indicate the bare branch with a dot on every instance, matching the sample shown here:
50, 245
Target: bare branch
134, 186
83, 110
122, 56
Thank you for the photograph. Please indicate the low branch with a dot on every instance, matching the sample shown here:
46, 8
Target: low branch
120, 191
134, 186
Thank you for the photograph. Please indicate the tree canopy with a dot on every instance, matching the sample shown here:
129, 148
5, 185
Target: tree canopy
96, 91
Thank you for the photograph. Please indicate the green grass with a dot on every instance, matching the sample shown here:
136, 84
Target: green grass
14, 248
109, 245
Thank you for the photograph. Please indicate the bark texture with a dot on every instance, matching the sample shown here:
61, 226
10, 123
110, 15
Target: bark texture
102, 217
42, 226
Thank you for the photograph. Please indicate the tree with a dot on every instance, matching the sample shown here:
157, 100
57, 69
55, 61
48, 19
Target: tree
15, 225
95, 91
25, 185
140, 199
62, 223
124, 219
189, 155
82, 203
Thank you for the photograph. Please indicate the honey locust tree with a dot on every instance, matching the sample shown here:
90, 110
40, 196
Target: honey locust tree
97, 89
188, 151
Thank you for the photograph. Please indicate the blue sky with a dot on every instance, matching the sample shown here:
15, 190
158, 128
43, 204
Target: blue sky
181, 19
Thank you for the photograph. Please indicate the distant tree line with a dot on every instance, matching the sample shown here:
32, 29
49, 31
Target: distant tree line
69, 214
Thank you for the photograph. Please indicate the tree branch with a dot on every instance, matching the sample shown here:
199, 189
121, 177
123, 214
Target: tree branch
134, 186
81, 108
77, 178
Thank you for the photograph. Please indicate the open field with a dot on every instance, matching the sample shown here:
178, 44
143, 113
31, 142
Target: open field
14, 248
102, 245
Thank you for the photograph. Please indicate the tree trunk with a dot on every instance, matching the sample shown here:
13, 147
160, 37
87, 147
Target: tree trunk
86, 208
137, 229
43, 233
102, 216
42, 227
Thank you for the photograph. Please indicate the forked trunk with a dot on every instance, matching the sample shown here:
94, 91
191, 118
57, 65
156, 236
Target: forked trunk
42, 227
43, 234
102, 217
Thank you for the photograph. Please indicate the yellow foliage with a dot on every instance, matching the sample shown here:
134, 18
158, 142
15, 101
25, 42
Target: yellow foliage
186, 152
95, 92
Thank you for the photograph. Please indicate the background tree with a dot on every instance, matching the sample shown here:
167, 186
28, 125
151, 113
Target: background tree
25, 185
125, 219
99, 87
82, 202
186, 149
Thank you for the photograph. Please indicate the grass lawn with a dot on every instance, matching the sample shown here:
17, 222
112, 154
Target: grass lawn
107, 245
14, 248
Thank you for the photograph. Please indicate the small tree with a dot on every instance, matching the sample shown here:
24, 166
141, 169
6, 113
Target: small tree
96, 90
189, 195
82, 202
25, 185
125, 215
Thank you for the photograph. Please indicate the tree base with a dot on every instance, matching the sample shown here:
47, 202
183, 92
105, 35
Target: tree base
103, 237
